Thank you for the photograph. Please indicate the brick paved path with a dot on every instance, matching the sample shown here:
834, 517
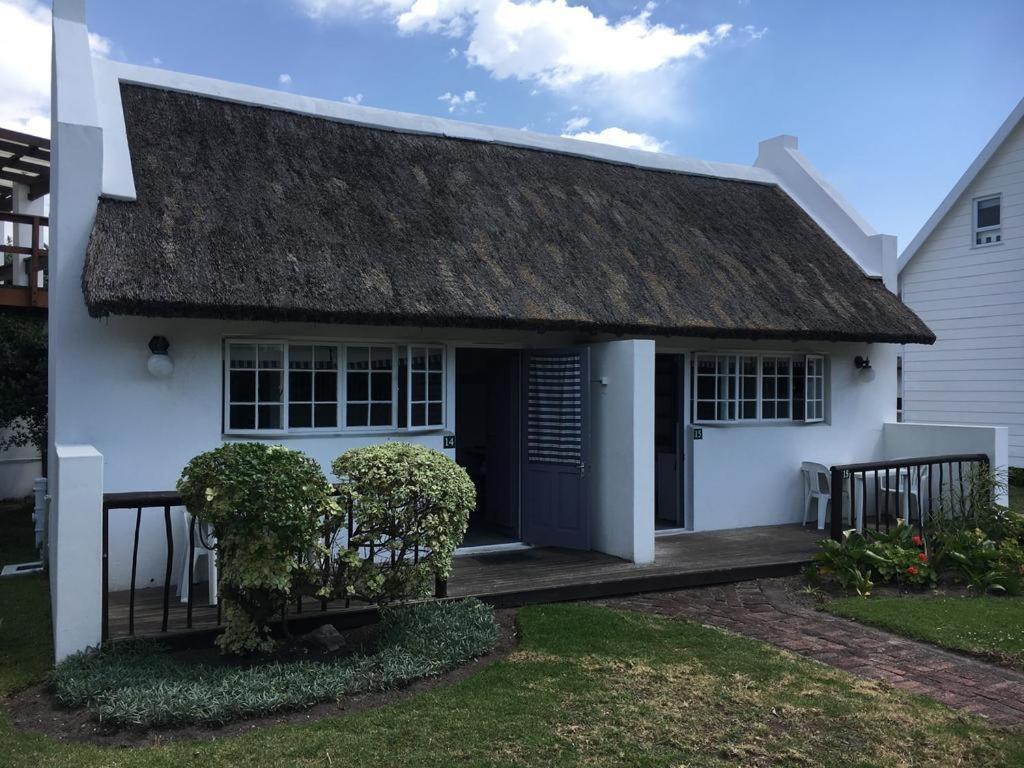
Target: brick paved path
762, 610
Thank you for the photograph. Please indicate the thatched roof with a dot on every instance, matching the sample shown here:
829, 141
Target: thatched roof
246, 212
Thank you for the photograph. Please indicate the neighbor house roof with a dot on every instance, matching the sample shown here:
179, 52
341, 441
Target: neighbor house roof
958, 189
247, 212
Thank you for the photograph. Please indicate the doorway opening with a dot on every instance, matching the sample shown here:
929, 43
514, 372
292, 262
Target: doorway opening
487, 446
668, 442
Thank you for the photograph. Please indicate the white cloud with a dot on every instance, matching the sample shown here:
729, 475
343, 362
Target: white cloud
574, 124
549, 42
157, 61
620, 138
753, 33
457, 102
357, 99
284, 79
25, 65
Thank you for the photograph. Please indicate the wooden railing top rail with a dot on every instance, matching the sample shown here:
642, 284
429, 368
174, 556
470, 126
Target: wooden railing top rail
136, 499
870, 466
30, 219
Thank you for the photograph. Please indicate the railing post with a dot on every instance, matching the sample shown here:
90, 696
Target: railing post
33, 265
440, 587
836, 489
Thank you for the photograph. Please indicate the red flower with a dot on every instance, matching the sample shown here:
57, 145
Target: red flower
912, 570
917, 540
922, 557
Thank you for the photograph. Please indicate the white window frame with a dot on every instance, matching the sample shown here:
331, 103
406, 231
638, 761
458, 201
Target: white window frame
339, 358
392, 426
409, 402
818, 360
996, 228
342, 346
776, 400
819, 375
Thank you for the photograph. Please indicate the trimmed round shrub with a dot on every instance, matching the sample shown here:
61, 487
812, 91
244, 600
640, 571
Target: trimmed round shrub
405, 499
265, 504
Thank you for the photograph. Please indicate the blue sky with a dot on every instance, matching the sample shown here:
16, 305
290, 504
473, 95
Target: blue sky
891, 100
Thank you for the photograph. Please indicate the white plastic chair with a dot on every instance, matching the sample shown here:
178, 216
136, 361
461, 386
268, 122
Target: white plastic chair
818, 488
908, 486
203, 532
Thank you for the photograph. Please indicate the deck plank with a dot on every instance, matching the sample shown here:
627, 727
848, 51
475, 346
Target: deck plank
540, 575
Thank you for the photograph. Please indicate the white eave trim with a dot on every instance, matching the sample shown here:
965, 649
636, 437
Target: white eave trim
969, 175
118, 181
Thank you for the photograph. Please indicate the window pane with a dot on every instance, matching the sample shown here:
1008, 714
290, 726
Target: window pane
380, 386
434, 413
242, 417
783, 388
403, 388
419, 411
271, 356
358, 387
326, 358
750, 409
769, 389
356, 415
380, 414
300, 357
768, 409
300, 386
769, 366
436, 359
419, 359
326, 386
269, 417
270, 390
243, 355
326, 415
750, 388
419, 387
705, 411
300, 416
380, 358
358, 358
782, 409
988, 212
243, 386
434, 392
705, 387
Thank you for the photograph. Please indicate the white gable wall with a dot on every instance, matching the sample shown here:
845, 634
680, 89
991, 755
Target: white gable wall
971, 297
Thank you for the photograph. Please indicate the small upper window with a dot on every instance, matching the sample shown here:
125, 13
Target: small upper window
987, 220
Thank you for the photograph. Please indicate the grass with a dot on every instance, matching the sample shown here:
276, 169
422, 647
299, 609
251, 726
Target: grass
986, 626
591, 687
136, 685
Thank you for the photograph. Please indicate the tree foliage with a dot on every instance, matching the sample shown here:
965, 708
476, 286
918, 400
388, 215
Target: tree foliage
22, 382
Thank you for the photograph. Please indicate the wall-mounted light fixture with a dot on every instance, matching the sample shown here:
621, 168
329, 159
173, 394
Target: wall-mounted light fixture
862, 363
159, 364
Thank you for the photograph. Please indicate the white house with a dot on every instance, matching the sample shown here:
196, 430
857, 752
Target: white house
963, 275
610, 341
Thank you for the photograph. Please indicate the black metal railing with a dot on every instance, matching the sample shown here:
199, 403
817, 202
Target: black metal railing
899, 488
167, 504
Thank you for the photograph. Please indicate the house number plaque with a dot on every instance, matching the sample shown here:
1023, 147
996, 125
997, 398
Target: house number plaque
698, 433
449, 441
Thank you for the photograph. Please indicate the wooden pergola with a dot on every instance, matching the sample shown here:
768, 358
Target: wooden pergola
24, 161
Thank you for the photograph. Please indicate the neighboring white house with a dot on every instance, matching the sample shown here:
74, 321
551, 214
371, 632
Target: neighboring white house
963, 274
609, 340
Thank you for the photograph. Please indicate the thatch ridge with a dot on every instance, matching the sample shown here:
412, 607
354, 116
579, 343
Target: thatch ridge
246, 212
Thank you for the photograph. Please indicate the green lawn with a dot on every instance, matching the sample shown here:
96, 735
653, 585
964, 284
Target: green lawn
989, 626
587, 686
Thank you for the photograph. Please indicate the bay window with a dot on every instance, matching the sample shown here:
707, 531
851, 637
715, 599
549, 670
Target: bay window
332, 387
737, 387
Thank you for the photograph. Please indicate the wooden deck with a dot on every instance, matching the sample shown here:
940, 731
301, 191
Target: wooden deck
519, 577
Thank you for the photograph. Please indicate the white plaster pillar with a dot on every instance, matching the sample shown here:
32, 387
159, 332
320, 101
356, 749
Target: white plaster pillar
76, 547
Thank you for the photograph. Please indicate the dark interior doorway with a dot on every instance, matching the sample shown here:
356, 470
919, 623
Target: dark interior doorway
487, 423
668, 442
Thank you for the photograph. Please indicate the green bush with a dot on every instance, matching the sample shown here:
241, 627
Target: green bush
404, 498
136, 685
859, 560
266, 504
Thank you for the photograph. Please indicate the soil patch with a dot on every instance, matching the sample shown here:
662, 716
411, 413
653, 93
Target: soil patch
34, 709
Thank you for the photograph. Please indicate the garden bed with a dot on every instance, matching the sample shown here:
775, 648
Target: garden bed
135, 693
